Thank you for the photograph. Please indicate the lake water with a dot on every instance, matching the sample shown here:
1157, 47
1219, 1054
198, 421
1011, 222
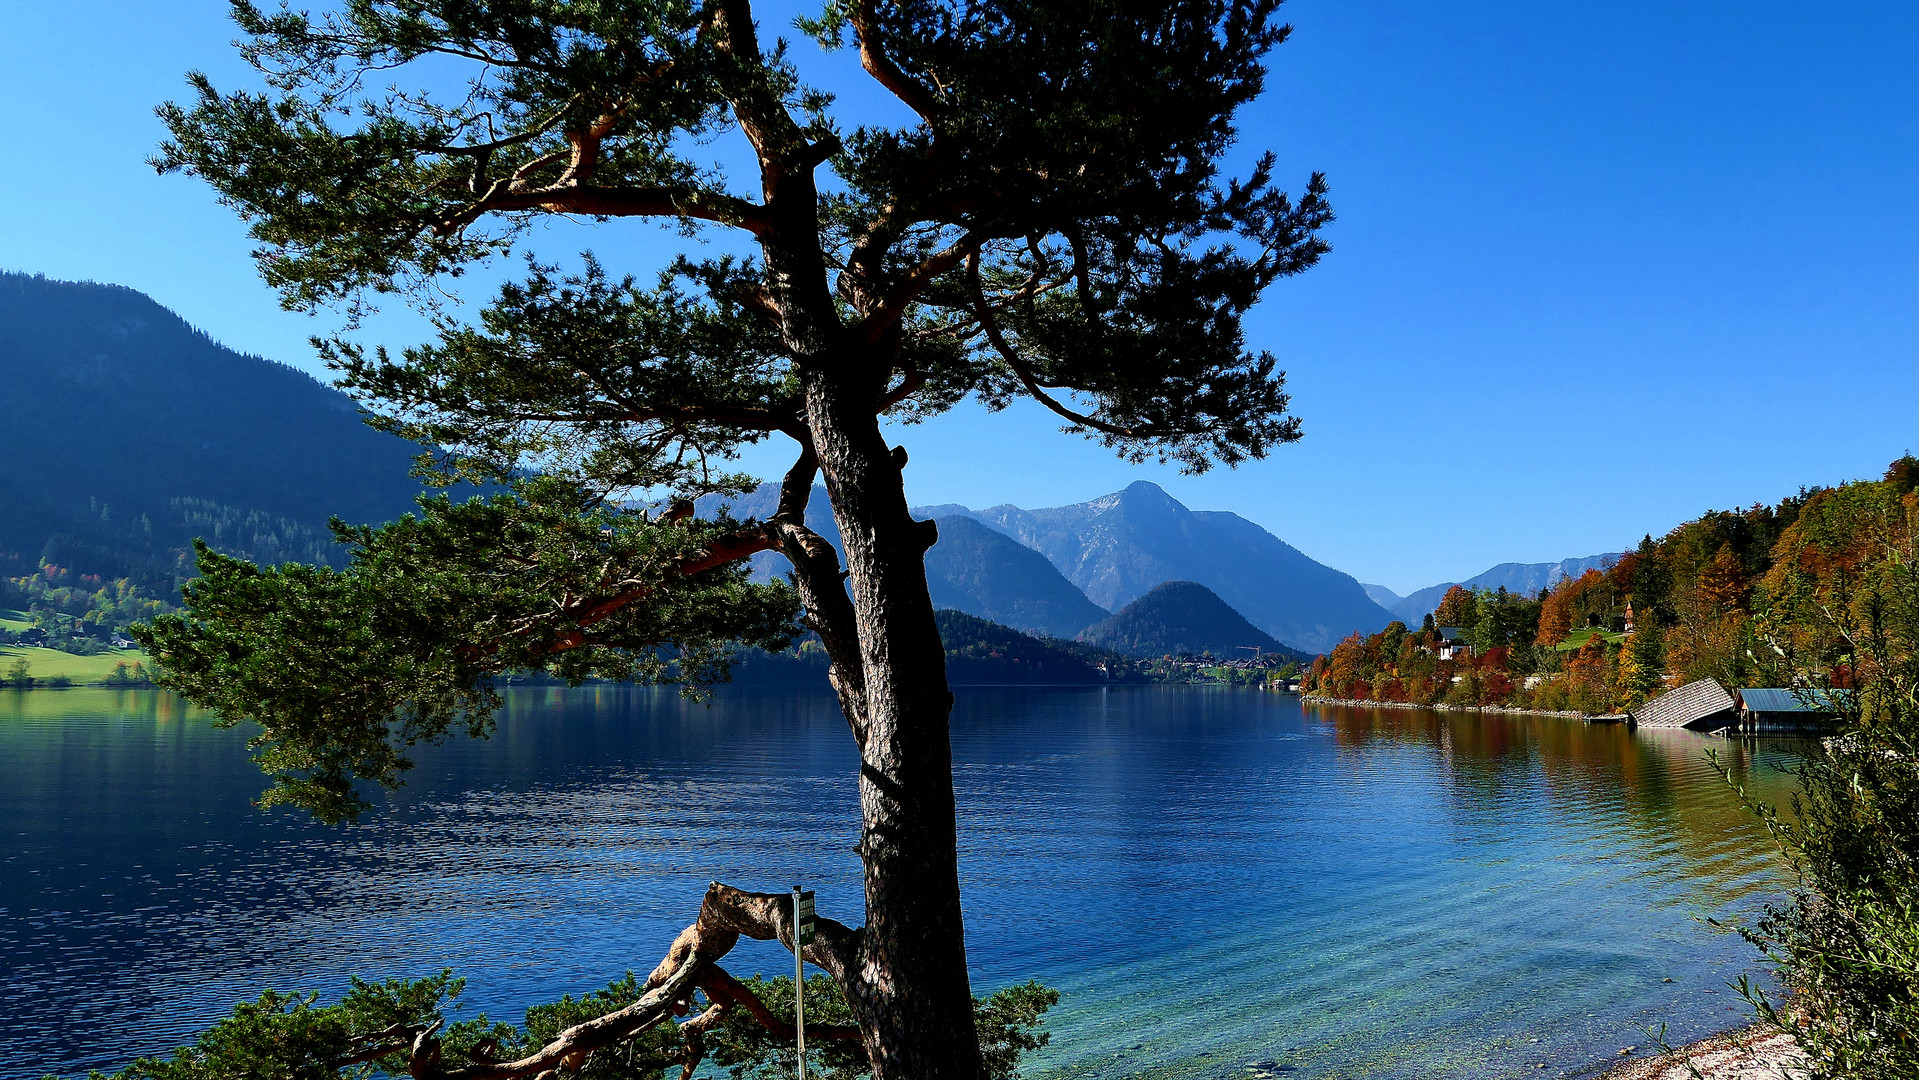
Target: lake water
1213, 878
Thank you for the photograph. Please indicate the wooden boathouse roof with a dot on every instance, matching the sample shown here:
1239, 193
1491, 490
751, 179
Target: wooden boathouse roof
1704, 705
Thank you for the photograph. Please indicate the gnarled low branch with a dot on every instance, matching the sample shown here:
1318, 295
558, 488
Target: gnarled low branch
726, 915
570, 1048
723, 988
817, 575
768, 419
581, 614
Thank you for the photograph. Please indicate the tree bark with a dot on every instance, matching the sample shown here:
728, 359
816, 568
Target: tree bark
910, 987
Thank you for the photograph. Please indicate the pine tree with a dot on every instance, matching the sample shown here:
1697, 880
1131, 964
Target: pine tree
1051, 223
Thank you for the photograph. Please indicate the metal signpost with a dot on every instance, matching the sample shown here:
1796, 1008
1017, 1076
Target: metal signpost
803, 926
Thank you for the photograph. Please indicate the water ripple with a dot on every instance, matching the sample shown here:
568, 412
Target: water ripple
1213, 879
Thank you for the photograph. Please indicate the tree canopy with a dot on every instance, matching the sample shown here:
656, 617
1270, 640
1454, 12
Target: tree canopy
1054, 225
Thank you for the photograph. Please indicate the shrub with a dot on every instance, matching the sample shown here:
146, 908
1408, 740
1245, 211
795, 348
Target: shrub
1847, 944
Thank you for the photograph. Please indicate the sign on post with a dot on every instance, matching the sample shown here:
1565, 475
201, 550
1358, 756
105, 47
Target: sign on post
803, 916
804, 924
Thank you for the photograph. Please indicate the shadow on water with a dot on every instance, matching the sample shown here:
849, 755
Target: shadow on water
1216, 879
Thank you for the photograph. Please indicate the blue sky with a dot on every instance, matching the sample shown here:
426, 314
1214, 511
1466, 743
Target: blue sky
1598, 268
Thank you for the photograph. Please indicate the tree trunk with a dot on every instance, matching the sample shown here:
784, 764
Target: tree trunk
910, 987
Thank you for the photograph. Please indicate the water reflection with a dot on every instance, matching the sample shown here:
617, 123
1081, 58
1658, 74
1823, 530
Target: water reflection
1212, 877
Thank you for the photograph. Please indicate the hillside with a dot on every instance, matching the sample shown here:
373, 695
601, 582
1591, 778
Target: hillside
986, 573
1760, 598
129, 433
978, 653
1117, 547
1182, 618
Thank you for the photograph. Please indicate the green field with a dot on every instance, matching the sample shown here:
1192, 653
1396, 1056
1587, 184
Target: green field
15, 621
1578, 638
44, 664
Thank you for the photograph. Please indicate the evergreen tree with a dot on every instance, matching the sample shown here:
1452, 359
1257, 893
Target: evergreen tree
1651, 583
1647, 650
1051, 223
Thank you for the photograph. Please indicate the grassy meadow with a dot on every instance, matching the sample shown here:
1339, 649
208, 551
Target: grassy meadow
44, 664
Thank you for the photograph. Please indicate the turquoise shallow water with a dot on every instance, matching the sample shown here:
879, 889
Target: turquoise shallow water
1219, 882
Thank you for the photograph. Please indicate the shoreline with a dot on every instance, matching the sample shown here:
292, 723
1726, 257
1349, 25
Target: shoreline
1756, 1052
1508, 710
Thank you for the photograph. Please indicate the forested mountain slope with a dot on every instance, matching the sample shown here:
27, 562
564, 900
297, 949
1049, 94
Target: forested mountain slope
128, 433
978, 653
1784, 595
1183, 618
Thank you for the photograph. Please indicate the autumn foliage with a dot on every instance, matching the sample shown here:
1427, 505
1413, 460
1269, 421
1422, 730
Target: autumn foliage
1731, 595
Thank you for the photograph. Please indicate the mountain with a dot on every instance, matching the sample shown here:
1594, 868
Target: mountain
988, 574
129, 432
1381, 595
1117, 547
1527, 578
1181, 618
973, 569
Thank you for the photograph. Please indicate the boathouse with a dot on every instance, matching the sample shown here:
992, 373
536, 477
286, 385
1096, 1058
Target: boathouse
1699, 706
1764, 709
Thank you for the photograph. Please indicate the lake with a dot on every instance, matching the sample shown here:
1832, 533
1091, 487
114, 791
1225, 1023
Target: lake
1213, 878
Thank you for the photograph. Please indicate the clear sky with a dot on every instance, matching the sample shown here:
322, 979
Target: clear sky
1597, 268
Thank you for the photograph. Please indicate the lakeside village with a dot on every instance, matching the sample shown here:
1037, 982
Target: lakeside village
59, 629
1736, 621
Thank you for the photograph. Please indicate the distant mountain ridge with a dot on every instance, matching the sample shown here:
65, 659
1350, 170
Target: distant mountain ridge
1111, 551
972, 569
130, 433
1381, 595
1117, 547
1527, 578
